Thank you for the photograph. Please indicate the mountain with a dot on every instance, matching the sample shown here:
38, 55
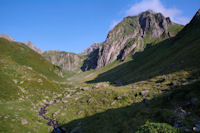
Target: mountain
90, 49
67, 61
131, 35
32, 46
155, 90
7, 37
27, 80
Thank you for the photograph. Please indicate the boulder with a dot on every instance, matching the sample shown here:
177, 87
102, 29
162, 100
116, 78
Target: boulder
24, 121
144, 93
84, 88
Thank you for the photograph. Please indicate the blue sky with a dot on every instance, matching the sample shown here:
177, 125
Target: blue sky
73, 25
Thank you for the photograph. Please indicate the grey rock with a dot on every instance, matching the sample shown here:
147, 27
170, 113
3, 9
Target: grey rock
66, 61
128, 38
118, 98
101, 85
132, 87
196, 129
79, 112
113, 103
144, 93
84, 88
24, 121
89, 101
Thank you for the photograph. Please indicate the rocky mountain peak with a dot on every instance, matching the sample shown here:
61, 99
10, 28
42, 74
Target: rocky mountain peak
7, 37
128, 37
32, 46
154, 22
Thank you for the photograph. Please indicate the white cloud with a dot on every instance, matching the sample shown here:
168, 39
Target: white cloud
182, 20
157, 6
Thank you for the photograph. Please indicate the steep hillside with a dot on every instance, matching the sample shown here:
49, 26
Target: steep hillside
174, 54
156, 90
131, 35
26, 83
66, 61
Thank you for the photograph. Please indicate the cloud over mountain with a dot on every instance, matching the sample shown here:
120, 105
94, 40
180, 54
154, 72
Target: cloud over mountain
157, 6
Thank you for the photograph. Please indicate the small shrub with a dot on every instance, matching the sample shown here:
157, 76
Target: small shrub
150, 127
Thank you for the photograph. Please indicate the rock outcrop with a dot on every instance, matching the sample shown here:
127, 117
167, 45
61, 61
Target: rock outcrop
32, 46
131, 35
7, 37
90, 49
66, 61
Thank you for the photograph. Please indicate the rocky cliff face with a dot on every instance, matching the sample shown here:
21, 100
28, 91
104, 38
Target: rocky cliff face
131, 35
90, 49
67, 61
7, 37
32, 46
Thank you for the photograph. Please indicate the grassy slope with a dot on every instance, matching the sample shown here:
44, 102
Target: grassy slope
25, 83
176, 60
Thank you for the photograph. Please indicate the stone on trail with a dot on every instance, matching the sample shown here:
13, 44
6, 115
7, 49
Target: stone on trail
24, 121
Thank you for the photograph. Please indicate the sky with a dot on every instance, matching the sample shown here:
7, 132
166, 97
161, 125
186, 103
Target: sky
74, 25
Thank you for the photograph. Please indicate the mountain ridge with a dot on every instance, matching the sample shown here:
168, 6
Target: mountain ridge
131, 35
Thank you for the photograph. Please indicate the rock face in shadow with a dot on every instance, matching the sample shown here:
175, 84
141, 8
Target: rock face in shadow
66, 61
128, 37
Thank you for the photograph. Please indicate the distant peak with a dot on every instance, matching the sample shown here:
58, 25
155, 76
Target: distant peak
32, 46
7, 37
